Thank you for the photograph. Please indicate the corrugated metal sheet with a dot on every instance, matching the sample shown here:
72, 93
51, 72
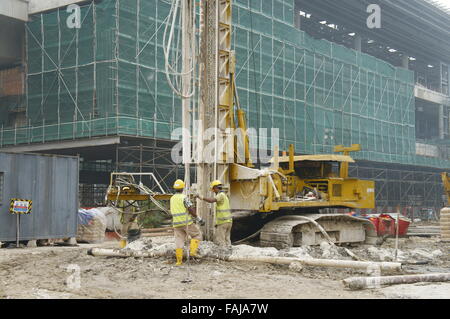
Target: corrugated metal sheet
51, 182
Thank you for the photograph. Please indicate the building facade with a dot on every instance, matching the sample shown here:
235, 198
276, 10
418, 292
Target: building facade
320, 76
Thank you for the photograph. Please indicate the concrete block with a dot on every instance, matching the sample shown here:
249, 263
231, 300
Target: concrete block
72, 241
32, 244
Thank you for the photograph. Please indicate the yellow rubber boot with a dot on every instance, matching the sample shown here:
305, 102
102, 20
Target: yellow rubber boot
194, 247
179, 255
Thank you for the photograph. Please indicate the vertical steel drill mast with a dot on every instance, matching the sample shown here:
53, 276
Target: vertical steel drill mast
215, 101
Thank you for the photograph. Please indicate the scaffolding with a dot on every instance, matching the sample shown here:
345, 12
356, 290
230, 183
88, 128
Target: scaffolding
99, 80
401, 185
107, 78
132, 155
154, 156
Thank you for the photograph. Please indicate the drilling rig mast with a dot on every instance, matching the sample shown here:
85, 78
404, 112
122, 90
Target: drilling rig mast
216, 65
293, 186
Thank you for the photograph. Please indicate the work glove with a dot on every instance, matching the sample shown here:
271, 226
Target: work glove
200, 221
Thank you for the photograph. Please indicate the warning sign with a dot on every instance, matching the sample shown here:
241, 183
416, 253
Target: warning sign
20, 206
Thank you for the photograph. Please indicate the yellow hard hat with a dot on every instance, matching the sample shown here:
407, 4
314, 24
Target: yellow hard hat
216, 183
179, 184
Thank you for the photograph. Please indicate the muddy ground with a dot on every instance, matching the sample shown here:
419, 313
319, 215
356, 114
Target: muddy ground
47, 272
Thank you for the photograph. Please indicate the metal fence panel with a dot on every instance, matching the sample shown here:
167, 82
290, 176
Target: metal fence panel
51, 182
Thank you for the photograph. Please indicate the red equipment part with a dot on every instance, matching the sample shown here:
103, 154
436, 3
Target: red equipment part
386, 225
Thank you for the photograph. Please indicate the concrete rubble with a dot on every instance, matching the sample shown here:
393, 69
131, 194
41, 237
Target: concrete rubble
415, 255
385, 254
324, 251
329, 251
139, 245
209, 249
206, 249
297, 252
296, 267
106, 277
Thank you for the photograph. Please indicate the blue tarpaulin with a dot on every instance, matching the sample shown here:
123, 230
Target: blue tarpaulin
84, 217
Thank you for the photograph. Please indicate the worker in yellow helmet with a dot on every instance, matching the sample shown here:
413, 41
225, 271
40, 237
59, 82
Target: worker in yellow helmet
130, 227
224, 220
182, 209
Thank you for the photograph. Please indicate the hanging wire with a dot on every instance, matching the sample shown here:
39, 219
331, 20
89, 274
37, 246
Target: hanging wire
172, 69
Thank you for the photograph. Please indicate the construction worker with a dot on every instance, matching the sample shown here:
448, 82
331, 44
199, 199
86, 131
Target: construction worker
182, 209
130, 228
224, 218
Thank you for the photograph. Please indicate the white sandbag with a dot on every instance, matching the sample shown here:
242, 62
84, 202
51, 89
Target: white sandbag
112, 214
91, 226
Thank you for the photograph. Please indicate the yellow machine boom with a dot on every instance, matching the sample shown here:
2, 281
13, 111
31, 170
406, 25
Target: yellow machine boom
283, 186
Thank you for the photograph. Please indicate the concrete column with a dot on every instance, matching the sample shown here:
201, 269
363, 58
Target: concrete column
405, 62
12, 37
16, 9
72, 241
357, 43
32, 244
448, 121
298, 20
441, 122
36, 6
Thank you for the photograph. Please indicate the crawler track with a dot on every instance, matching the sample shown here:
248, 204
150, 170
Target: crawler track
296, 230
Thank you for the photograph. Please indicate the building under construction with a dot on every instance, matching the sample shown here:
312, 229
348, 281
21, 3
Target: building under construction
312, 69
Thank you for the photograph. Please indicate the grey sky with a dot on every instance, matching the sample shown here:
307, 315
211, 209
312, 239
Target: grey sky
444, 2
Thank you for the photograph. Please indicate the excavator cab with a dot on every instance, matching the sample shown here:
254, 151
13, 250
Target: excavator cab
315, 174
313, 169
321, 180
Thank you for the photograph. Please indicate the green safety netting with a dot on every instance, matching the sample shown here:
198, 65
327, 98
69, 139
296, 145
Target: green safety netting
108, 78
